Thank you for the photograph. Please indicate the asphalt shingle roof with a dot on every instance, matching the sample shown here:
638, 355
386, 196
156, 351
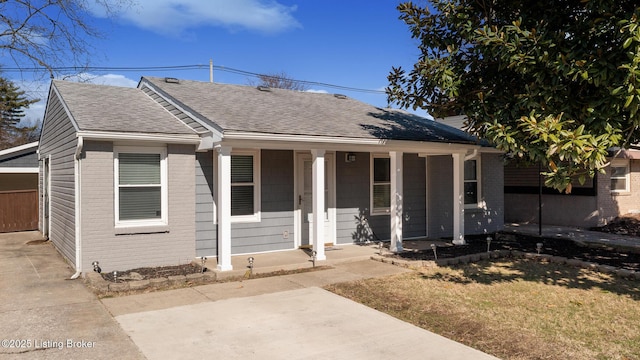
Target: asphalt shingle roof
117, 109
279, 111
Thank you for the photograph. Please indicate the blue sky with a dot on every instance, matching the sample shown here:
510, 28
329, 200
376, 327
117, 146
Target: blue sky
350, 43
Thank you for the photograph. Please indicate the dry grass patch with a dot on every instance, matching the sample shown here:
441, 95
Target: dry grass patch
514, 309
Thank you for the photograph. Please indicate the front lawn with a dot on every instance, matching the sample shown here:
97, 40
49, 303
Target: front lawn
514, 309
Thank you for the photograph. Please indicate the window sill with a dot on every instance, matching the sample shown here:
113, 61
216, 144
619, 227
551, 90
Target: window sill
481, 206
620, 193
134, 230
239, 219
380, 213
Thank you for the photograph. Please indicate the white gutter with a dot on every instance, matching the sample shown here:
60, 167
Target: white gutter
166, 138
18, 170
239, 135
331, 143
19, 148
78, 210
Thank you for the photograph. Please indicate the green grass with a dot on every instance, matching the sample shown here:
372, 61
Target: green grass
514, 309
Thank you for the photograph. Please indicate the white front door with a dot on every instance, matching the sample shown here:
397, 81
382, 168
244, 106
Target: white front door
305, 198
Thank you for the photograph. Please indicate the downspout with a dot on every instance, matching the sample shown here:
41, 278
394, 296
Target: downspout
472, 155
77, 197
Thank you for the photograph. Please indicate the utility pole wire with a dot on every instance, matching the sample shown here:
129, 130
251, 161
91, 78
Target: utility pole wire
182, 68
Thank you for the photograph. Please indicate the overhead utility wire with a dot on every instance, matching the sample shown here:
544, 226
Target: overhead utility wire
183, 68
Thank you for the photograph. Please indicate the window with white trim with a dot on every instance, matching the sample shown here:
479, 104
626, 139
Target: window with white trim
620, 175
140, 186
381, 184
472, 182
245, 186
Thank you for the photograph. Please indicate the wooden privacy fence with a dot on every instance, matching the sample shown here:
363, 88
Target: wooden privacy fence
18, 210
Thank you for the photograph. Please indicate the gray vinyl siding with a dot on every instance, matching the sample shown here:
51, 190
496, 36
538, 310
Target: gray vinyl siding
477, 221
414, 222
277, 208
353, 220
40, 197
352, 199
23, 160
154, 246
196, 126
491, 218
206, 230
59, 141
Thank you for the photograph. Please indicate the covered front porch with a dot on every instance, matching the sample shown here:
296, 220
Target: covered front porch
343, 187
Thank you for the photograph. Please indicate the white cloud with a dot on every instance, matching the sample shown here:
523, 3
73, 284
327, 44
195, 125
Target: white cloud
317, 91
40, 90
174, 17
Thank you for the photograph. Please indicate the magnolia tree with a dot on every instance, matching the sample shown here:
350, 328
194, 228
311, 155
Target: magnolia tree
550, 82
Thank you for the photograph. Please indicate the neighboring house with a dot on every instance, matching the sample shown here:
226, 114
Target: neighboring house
594, 203
19, 188
176, 169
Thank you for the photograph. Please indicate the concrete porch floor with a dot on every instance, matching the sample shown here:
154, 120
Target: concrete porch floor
294, 259
301, 258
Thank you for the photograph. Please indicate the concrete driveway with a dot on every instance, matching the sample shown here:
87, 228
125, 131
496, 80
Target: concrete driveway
43, 315
283, 317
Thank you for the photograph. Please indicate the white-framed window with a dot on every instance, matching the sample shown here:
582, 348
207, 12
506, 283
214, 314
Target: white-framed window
380, 184
620, 175
140, 186
472, 186
245, 186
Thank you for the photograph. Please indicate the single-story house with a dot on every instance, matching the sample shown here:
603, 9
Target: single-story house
594, 203
175, 170
19, 188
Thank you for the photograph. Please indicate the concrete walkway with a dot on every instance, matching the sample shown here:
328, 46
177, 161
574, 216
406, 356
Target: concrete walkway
43, 315
282, 317
579, 235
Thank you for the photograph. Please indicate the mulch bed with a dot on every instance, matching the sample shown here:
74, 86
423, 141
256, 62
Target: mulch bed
558, 247
628, 224
154, 272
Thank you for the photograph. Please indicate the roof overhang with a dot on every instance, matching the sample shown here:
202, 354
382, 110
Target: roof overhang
16, 150
307, 142
125, 136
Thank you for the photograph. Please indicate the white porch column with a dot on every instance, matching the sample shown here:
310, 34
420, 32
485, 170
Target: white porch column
396, 200
458, 198
317, 174
224, 208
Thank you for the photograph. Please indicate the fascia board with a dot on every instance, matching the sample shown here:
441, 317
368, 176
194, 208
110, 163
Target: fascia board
166, 138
